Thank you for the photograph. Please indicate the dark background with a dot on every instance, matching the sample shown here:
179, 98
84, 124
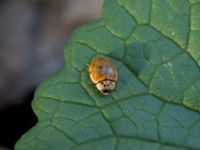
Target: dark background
32, 38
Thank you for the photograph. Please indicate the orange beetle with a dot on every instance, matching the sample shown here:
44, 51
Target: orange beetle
103, 74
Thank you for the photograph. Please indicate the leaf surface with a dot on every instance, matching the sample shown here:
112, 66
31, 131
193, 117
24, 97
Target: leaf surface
155, 46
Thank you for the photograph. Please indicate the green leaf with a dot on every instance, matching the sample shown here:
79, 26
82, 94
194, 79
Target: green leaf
156, 106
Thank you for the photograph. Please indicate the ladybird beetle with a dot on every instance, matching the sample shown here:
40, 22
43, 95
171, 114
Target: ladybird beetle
103, 74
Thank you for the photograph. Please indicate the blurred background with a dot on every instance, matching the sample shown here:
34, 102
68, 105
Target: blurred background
32, 38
